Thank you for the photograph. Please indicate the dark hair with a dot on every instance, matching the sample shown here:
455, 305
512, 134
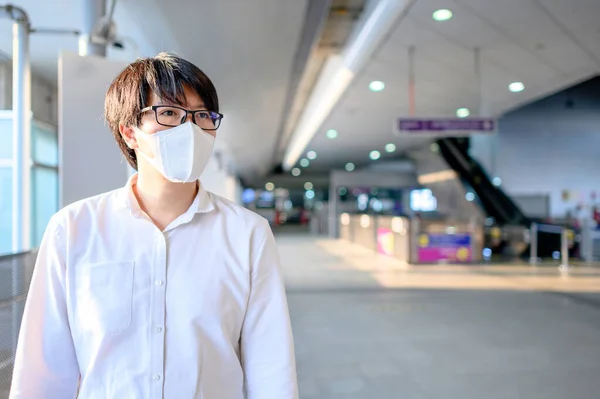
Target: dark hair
166, 75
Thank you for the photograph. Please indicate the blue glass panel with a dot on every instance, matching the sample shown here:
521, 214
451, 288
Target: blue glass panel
5, 138
44, 145
44, 199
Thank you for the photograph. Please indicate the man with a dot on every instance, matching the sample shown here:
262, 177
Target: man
159, 289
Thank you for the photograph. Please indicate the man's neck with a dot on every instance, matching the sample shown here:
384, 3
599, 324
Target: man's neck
162, 200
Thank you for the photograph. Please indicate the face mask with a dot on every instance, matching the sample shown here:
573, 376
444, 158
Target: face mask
180, 153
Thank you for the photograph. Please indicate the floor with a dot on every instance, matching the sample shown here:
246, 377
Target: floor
371, 327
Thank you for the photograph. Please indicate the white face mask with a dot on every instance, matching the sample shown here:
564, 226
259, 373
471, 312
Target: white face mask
180, 153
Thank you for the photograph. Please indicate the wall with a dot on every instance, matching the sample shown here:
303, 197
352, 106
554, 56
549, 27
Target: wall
363, 178
549, 148
91, 163
219, 180
44, 96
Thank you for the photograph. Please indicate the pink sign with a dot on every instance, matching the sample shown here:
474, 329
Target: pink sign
445, 254
385, 241
444, 247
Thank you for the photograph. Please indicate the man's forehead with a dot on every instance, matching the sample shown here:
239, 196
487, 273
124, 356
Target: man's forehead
192, 101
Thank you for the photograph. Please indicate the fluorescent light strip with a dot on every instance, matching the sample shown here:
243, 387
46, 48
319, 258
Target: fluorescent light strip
437, 177
338, 73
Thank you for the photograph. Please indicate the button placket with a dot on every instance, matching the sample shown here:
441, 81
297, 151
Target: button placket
158, 313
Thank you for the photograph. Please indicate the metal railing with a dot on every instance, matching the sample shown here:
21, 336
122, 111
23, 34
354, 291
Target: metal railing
566, 240
15, 276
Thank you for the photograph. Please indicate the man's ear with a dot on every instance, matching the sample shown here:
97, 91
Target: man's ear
128, 135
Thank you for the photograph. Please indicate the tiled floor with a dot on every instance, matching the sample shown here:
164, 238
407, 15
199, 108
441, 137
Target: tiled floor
371, 327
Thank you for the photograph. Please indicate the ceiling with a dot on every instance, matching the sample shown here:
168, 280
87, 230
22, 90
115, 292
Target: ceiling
546, 44
250, 50
247, 48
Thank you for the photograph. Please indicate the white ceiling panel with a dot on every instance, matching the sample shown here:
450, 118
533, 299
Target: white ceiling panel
246, 47
518, 41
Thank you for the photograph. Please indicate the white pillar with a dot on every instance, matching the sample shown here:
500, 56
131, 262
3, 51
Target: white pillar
21, 177
93, 11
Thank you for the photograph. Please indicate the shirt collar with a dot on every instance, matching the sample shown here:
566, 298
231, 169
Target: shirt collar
202, 202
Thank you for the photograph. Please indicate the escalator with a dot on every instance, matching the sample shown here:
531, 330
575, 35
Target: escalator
495, 203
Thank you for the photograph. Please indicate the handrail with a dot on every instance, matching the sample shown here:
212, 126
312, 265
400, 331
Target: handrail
550, 228
15, 254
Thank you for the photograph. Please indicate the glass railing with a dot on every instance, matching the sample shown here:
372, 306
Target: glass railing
15, 276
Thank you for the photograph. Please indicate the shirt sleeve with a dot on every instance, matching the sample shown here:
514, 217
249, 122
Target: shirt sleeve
45, 361
267, 345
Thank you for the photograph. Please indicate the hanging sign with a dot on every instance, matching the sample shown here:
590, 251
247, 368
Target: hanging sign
446, 126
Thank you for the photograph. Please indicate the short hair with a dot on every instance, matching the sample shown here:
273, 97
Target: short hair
166, 75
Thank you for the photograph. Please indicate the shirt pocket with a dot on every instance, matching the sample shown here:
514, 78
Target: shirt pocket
105, 297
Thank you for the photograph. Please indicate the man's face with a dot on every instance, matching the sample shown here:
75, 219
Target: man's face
149, 124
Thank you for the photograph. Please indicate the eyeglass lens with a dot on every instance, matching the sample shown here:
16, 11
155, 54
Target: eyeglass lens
173, 116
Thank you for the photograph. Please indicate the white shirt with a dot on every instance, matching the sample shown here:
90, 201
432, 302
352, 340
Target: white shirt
126, 311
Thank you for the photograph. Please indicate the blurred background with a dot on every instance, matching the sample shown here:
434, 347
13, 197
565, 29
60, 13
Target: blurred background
429, 168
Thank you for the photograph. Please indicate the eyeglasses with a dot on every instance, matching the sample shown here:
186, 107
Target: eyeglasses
172, 116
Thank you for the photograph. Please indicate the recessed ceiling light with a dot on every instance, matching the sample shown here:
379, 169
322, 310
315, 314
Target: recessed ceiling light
470, 196
442, 15
296, 172
350, 167
497, 181
308, 186
463, 112
375, 155
311, 155
516, 87
391, 147
376, 85
304, 162
270, 186
310, 194
332, 134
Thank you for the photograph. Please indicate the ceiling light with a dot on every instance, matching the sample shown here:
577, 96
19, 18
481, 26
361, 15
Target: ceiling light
375, 155
516, 87
296, 172
497, 181
470, 196
311, 155
376, 85
310, 194
332, 134
350, 167
463, 112
308, 186
391, 147
304, 162
442, 15
270, 186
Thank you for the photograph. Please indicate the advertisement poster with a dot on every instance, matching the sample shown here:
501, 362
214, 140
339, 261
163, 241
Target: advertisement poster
444, 247
385, 241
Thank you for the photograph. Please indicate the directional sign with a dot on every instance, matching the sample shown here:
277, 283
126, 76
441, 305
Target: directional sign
446, 125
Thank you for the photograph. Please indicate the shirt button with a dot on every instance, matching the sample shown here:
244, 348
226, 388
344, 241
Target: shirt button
158, 330
156, 377
158, 282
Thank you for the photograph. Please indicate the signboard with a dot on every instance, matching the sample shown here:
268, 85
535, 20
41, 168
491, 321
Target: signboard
385, 241
446, 126
444, 247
